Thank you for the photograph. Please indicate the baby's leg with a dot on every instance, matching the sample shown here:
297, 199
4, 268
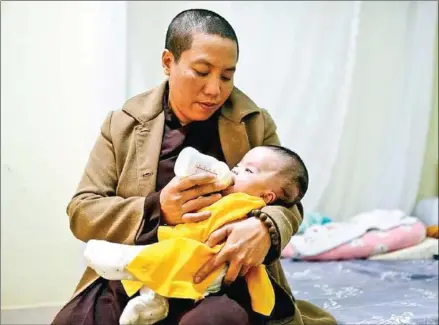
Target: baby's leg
147, 308
109, 260
216, 285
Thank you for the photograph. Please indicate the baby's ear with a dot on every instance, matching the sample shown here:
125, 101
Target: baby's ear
268, 197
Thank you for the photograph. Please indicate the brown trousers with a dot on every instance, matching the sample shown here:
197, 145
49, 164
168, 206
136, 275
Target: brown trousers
103, 302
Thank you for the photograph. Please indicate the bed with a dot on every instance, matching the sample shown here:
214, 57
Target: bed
369, 292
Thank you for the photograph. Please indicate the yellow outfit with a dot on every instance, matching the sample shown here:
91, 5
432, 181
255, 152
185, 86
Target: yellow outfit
168, 267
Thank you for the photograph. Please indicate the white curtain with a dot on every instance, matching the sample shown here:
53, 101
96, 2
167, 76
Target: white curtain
349, 85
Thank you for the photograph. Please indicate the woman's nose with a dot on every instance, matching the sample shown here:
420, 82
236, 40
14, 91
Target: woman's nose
212, 87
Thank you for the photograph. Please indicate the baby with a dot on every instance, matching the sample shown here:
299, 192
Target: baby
273, 175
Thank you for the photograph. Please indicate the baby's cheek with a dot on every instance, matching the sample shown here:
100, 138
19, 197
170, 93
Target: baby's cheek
246, 188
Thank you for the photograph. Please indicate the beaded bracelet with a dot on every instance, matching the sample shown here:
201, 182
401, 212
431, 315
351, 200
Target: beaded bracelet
258, 214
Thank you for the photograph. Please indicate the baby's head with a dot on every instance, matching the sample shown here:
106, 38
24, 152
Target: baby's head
274, 173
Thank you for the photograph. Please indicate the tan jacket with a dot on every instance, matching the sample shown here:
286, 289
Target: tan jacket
121, 171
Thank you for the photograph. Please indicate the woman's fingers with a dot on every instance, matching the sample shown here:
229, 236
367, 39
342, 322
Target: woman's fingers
195, 217
218, 236
183, 196
244, 270
177, 197
199, 203
188, 182
232, 272
246, 244
201, 190
215, 262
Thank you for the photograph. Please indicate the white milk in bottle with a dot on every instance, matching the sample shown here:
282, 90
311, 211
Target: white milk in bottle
190, 161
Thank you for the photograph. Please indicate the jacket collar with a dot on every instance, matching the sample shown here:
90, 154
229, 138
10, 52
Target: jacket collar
147, 106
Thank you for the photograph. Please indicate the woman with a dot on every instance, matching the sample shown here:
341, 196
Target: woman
128, 188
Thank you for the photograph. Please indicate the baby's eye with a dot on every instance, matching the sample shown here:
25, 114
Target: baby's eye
248, 171
234, 171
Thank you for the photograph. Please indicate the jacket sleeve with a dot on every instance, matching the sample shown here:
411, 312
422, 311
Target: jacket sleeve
286, 220
95, 211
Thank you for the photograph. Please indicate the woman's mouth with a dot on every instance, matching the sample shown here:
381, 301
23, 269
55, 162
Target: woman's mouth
207, 106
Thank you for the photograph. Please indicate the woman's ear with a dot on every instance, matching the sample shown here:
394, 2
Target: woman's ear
167, 59
268, 197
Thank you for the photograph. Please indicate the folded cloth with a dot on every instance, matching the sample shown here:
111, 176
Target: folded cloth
288, 251
423, 251
433, 232
374, 242
322, 238
311, 219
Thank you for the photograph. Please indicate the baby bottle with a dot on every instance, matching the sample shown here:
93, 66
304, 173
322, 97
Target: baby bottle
190, 161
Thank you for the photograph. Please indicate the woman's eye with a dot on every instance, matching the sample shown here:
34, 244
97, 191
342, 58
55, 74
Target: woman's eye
201, 74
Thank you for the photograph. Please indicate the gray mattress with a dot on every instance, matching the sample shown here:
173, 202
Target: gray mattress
369, 292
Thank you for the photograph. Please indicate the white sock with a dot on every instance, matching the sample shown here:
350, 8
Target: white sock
146, 309
110, 260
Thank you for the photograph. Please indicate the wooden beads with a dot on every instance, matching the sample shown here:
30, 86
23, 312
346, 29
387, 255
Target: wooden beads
272, 231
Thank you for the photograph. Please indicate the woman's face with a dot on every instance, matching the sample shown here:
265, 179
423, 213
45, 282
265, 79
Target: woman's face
202, 79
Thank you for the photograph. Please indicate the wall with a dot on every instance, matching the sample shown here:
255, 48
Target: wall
62, 70
146, 26
429, 182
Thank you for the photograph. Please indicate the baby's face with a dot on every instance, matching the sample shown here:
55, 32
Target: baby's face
256, 174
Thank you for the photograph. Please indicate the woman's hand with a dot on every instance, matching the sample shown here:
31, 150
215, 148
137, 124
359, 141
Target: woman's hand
182, 196
247, 244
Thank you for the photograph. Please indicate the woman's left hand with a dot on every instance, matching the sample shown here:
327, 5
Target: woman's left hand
247, 242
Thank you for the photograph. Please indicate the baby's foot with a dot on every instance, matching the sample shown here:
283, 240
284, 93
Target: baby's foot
146, 309
109, 260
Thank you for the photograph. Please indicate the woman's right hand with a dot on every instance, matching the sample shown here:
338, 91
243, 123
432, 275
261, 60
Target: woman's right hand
183, 196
